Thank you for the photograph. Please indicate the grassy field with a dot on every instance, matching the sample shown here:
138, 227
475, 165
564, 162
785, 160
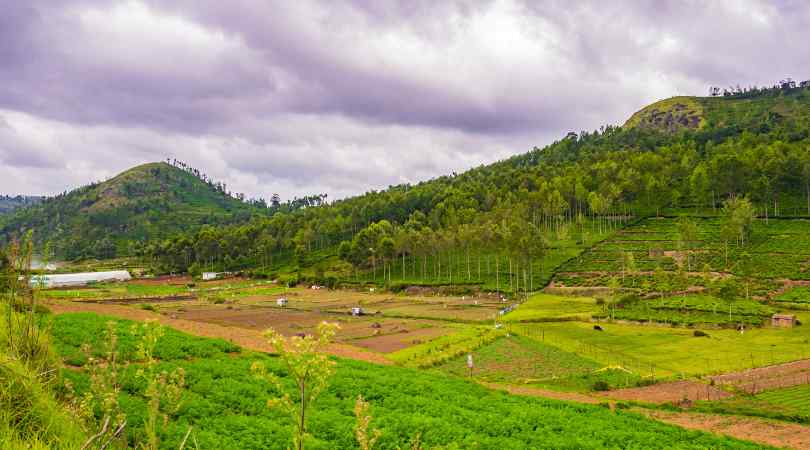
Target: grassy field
671, 352
546, 308
227, 406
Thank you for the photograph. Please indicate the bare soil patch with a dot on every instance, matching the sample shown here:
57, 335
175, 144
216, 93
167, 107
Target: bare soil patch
396, 337
669, 392
763, 431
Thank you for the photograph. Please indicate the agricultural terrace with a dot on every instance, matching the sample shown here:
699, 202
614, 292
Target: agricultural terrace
778, 249
389, 322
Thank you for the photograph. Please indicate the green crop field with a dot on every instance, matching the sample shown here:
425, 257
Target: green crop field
798, 296
445, 347
131, 290
520, 360
691, 310
796, 399
227, 406
779, 248
545, 307
789, 404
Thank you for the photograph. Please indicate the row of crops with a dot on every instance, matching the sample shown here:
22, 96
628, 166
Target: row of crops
778, 249
445, 347
690, 310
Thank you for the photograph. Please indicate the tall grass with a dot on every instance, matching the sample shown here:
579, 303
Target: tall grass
30, 415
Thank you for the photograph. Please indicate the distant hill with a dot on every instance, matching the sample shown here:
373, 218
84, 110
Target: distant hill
111, 218
756, 112
9, 203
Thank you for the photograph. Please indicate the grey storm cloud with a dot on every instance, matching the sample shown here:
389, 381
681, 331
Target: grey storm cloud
345, 96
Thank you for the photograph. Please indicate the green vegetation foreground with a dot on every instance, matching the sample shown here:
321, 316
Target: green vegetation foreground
226, 405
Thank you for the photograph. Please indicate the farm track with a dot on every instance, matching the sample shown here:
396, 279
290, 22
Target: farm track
247, 338
763, 431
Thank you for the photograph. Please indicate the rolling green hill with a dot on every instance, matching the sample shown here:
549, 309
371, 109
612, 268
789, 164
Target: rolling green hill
509, 225
150, 201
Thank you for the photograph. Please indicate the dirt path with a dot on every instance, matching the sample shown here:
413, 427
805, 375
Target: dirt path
763, 431
243, 337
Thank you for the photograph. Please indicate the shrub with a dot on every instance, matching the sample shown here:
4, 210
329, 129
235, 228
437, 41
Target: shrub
148, 307
699, 333
600, 385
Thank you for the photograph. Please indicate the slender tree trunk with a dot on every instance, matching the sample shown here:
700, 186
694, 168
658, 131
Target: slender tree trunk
468, 264
497, 278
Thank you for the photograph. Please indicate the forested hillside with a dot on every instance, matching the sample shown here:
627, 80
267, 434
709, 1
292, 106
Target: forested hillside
115, 217
685, 152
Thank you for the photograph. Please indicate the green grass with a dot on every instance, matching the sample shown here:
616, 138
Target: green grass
227, 406
670, 352
545, 307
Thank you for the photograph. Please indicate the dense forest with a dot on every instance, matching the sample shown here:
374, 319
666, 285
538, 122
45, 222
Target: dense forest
684, 152
9, 203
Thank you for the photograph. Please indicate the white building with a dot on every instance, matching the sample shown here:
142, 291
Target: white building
281, 302
208, 276
79, 279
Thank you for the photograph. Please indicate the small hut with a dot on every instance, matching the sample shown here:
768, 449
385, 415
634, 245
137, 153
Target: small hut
282, 302
783, 320
357, 311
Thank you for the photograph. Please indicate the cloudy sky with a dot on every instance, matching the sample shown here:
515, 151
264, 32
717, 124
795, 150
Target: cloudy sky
300, 97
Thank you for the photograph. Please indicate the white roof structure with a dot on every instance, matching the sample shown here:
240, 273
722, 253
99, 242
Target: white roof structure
79, 279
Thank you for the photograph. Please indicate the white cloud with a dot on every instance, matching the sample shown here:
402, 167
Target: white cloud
308, 97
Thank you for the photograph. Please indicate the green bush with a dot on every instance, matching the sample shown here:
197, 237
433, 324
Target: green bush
600, 385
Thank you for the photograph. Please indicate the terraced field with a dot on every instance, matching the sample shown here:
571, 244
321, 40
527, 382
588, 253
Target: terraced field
780, 249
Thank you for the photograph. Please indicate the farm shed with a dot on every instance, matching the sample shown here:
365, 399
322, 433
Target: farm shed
208, 276
80, 279
783, 320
